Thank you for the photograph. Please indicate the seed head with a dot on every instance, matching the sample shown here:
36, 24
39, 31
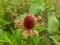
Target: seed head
14, 16
29, 22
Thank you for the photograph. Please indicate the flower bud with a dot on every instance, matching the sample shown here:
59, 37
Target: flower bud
14, 16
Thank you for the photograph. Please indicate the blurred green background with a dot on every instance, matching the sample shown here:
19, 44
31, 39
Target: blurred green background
48, 27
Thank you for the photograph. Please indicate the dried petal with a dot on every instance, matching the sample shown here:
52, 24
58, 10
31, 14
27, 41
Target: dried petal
58, 44
33, 15
42, 24
27, 33
35, 19
36, 32
17, 25
24, 33
39, 17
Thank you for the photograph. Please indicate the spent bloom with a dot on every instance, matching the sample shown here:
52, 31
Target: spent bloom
29, 23
14, 16
5, 9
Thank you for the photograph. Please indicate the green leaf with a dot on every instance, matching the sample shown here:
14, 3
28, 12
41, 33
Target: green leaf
34, 8
18, 36
20, 16
39, 1
17, 33
1, 34
42, 7
4, 38
40, 29
53, 23
36, 40
55, 38
1, 10
11, 39
45, 41
49, 5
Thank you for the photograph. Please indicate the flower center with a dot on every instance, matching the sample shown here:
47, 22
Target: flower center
29, 22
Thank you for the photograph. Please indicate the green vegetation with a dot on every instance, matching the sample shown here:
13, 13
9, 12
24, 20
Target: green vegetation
46, 23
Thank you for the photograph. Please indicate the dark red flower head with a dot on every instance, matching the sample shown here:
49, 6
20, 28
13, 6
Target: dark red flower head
29, 22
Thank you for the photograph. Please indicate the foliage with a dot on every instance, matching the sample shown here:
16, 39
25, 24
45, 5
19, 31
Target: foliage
48, 32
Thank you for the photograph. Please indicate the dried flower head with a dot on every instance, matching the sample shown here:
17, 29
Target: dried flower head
14, 16
5, 9
29, 22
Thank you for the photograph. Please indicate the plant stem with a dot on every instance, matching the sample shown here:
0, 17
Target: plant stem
28, 40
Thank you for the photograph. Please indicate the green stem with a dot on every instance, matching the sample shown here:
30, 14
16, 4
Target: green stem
28, 40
